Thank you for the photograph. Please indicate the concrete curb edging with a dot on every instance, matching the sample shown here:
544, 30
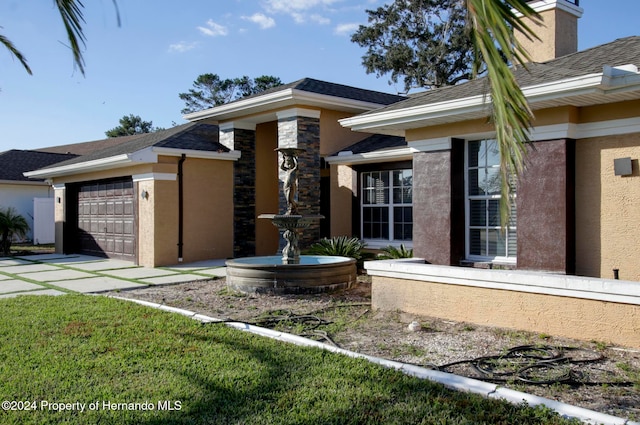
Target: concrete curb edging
455, 382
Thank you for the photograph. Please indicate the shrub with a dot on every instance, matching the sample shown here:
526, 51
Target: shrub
343, 246
392, 252
11, 223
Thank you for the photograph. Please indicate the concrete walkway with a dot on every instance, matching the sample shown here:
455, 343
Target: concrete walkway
57, 274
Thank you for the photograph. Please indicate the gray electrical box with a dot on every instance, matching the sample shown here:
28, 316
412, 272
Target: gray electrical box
622, 166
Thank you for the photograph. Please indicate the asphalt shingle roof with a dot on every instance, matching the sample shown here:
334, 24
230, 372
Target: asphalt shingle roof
190, 136
332, 89
376, 142
85, 148
15, 162
623, 51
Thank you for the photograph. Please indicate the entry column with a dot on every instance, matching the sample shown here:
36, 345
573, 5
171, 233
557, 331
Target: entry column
300, 128
242, 137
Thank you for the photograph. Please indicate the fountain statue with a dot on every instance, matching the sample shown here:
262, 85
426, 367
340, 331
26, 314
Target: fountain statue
291, 273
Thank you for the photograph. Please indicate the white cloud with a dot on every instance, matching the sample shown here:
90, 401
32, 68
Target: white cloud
262, 20
182, 47
213, 30
319, 19
300, 10
345, 29
288, 5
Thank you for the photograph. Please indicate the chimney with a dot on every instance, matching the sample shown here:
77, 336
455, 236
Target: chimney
559, 30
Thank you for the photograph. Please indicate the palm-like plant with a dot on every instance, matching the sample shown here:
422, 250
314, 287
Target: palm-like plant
343, 246
72, 19
493, 23
11, 224
392, 252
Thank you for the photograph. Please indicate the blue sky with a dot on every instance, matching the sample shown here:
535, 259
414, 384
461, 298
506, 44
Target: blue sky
163, 45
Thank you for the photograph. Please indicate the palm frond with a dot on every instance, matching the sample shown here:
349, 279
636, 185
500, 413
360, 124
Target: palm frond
73, 19
15, 52
493, 24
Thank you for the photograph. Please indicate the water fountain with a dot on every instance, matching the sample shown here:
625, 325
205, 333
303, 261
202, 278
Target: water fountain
291, 273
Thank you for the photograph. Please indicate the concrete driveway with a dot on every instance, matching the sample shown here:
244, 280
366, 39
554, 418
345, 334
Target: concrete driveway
57, 274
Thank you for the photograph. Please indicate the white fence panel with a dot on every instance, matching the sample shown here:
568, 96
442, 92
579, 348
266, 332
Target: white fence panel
44, 227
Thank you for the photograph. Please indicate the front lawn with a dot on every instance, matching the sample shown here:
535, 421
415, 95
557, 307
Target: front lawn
88, 359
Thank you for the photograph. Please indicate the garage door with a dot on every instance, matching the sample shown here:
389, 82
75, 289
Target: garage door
106, 219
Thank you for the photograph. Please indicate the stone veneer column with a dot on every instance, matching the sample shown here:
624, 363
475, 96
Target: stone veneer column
438, 204
242, 138
300, 128
546, 208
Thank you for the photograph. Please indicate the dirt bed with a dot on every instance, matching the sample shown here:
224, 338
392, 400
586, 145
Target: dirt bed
592, 375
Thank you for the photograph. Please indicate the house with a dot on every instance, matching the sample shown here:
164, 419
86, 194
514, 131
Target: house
575, 218
194, 192
18, 191
156, 199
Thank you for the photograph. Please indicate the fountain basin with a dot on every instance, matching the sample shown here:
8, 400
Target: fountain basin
313, 274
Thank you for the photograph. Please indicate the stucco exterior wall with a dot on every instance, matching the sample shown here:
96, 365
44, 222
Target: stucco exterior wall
208, 209
333, 136
145, 220
266, 187
59, 218
344, 186
607, 208
554, 315
165, 210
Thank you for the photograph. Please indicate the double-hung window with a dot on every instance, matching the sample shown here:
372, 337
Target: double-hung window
485, 239
386, 206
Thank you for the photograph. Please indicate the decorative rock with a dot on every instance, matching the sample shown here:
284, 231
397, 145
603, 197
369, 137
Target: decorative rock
414, 326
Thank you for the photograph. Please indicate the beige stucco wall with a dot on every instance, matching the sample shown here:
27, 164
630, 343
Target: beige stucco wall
560, 316
607, 208
208, 209
59, 217
266, 187
344, 184
333, 136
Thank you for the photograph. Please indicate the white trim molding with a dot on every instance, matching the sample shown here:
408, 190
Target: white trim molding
431, 145
544, 5
154, 177
241, 125
387, 155
617, 291
298, 112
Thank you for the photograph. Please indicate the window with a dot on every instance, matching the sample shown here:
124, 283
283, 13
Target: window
386, 200
486, 241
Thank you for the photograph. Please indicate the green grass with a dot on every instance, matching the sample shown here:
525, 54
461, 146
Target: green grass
85, 349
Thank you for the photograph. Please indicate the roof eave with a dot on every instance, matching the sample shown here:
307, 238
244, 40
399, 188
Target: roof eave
383, 155
277, 100
225, 156
118, 161
25, 182
607, 82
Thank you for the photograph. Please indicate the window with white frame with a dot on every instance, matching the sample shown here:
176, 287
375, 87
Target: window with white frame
386, 205
485, 239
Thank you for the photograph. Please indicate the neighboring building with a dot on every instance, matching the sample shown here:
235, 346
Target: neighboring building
18, 191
